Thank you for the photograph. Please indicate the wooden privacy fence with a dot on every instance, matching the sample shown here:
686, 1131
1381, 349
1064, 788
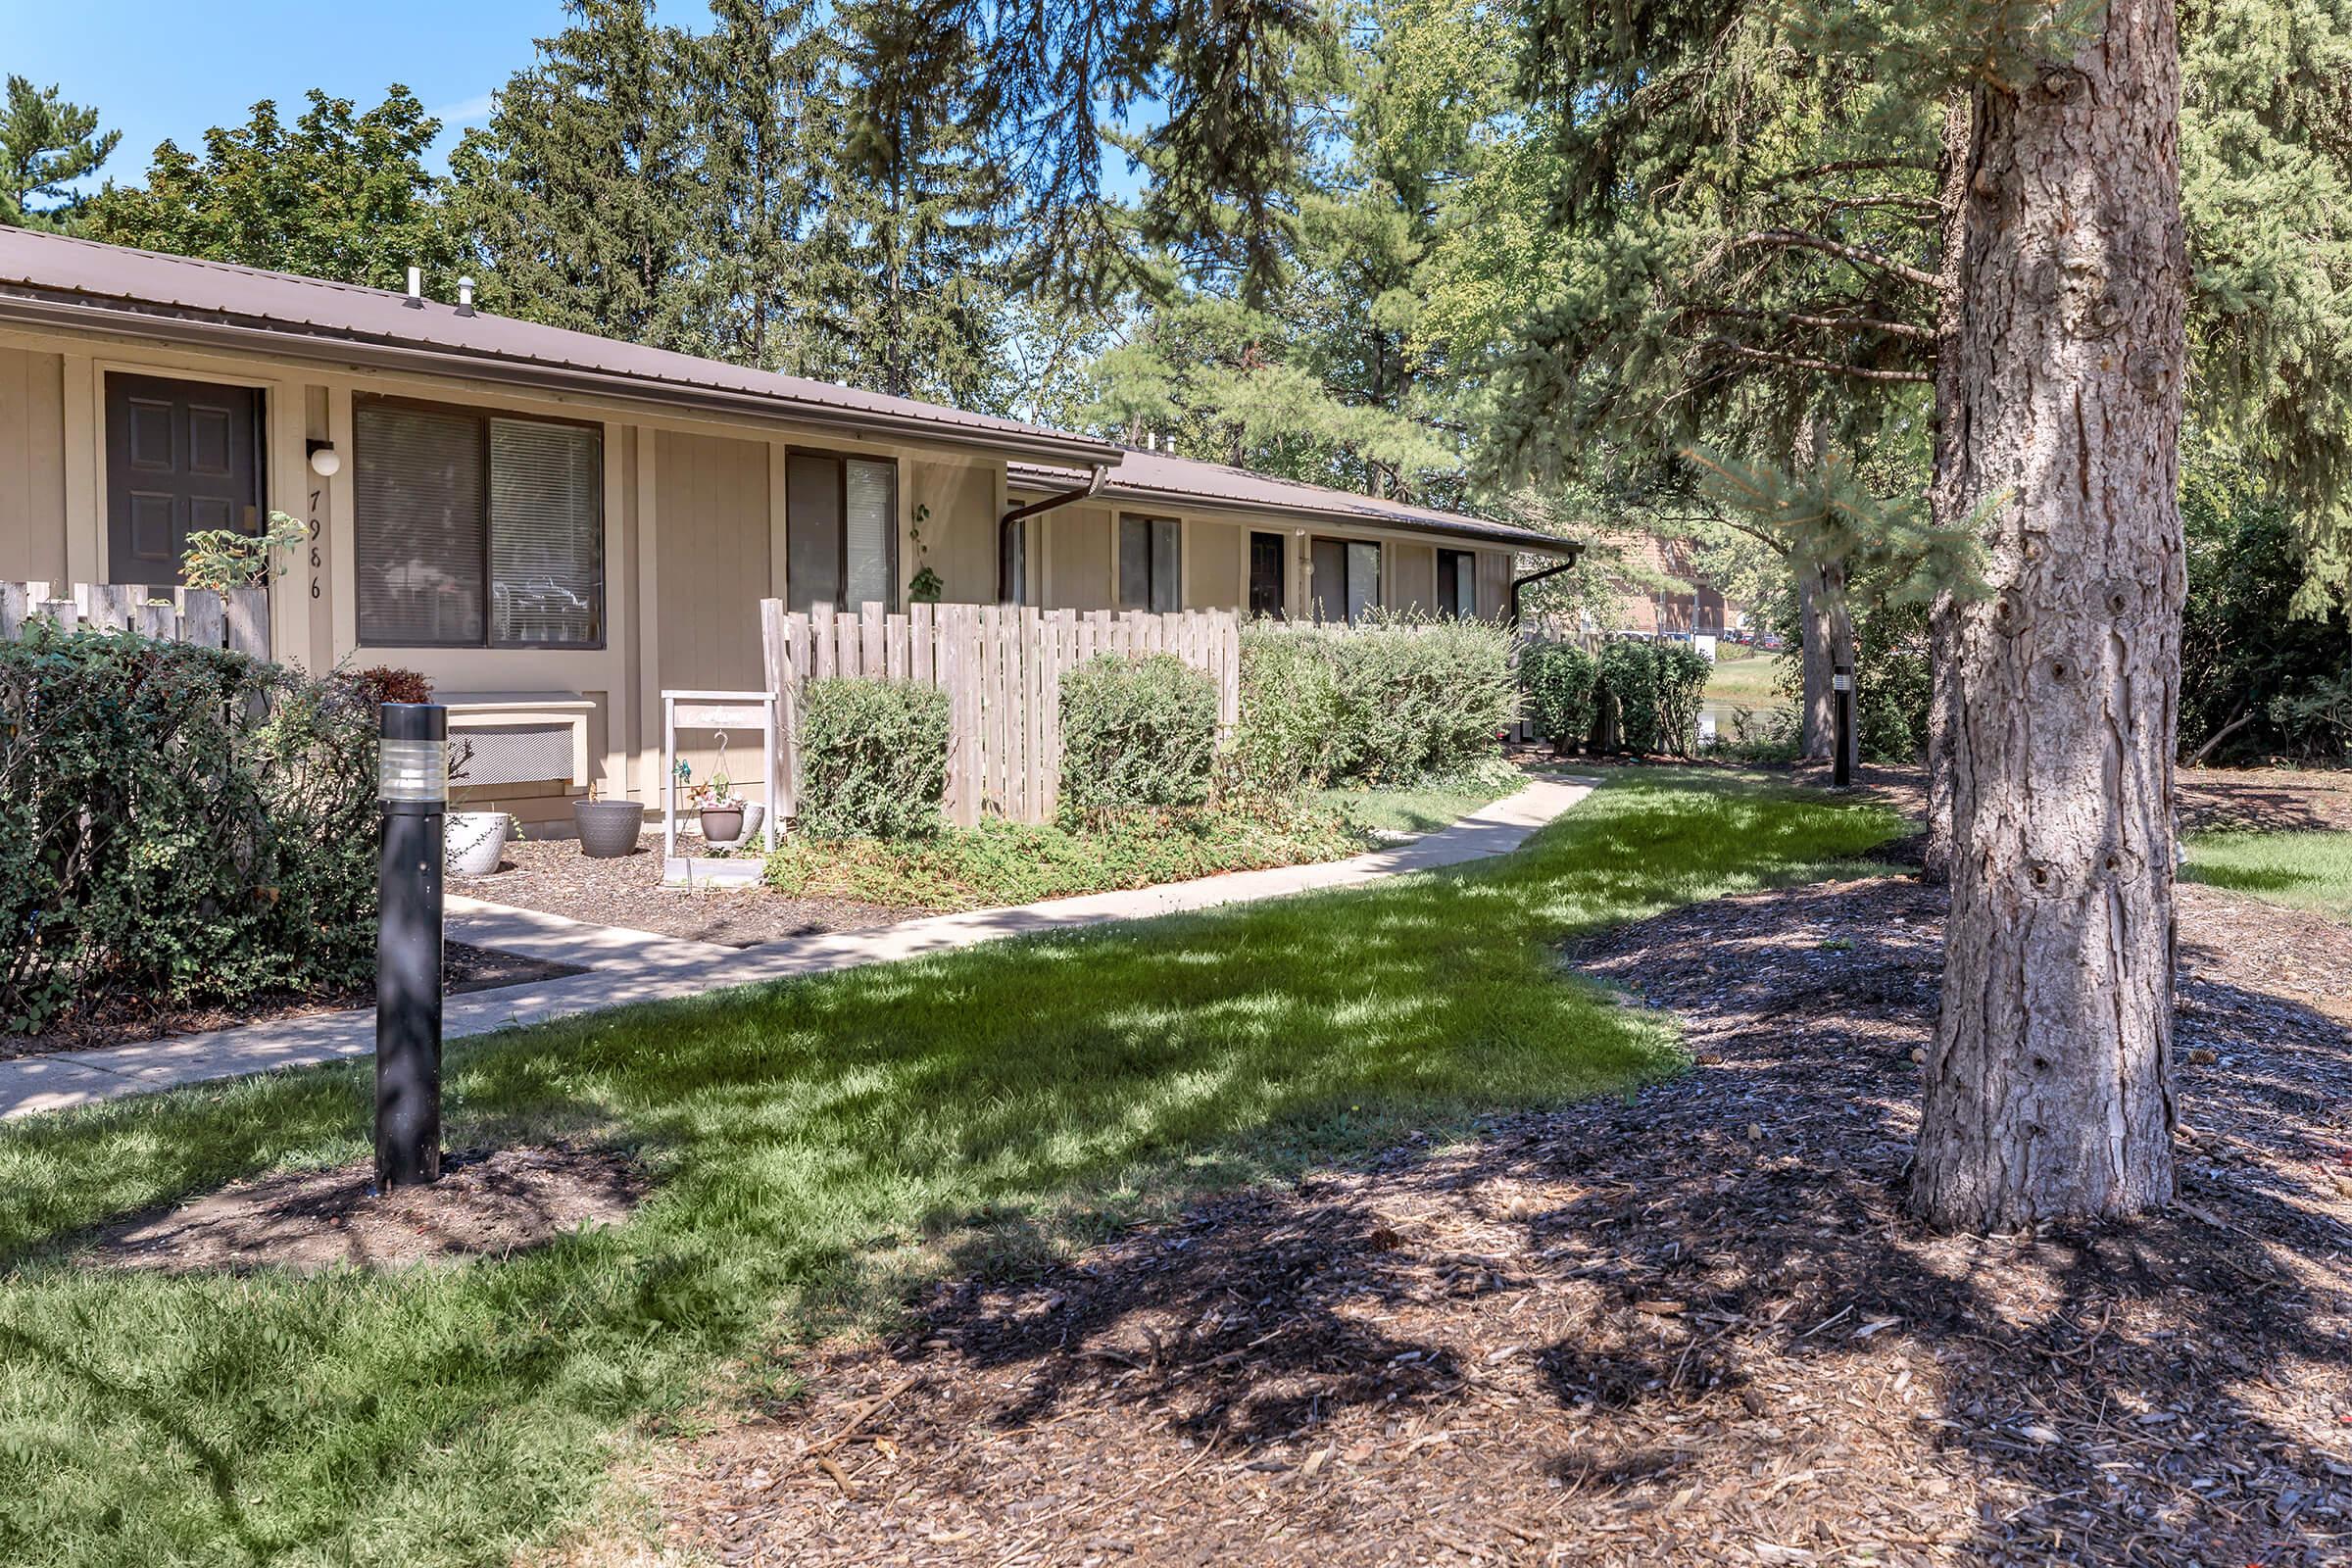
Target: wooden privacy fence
1002, 668
238, 618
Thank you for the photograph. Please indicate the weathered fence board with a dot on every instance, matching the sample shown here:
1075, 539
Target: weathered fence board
1002, 669
237, 620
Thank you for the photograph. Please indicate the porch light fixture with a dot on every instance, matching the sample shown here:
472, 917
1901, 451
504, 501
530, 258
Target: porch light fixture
413, 783
326, 460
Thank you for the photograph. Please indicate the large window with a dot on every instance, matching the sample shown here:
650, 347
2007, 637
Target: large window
477, 530
1151, 570
841, 530
1346, 579
1458, 584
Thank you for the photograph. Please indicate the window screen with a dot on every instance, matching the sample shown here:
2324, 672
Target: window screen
1364, 580
811, 530
871, 527
546, 533
1149, 570
421, 540
1328, 558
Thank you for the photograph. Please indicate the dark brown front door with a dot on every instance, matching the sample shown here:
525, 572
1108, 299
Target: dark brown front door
180, 456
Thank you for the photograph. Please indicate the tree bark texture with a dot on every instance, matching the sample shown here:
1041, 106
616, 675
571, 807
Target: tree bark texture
1818, 717
1951, 185
2049, 1093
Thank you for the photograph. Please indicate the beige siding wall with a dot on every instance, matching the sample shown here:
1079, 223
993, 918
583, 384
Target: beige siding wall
712, 522
1411, 579
1493, 582
960, 536
1077, 565
32, 466
1214, 567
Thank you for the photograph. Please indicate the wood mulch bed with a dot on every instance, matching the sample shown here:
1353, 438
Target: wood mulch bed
2279, 798
489, 1204
552, 876
464, 968
1691, 1326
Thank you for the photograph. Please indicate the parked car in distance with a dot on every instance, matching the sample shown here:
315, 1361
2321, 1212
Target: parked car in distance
1771, 642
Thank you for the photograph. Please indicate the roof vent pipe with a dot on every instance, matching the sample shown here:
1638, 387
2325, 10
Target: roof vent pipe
416, 299
1151, 440
464, 296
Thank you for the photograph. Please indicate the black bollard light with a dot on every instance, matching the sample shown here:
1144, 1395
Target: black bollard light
1842, 690
412, 782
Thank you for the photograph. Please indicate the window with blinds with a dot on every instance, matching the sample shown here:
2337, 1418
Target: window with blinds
841, 530
475, 531
423, 538
547, 577
1149, 569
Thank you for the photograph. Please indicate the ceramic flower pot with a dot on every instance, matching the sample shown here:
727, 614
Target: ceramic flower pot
723, 824
472, 841
607, 828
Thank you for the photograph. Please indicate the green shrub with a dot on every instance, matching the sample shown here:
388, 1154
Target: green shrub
1137, 734
1559, 679
1651, 692
178, 826
873, 759
1001, 862
1389, 703
1290, 730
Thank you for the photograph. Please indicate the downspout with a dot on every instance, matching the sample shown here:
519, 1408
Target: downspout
1063, 497
1518, 583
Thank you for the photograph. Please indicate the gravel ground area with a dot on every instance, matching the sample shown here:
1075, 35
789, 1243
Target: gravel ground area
464, 968
1691, 1326
552, 876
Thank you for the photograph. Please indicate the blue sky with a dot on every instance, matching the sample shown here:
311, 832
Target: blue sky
159, 70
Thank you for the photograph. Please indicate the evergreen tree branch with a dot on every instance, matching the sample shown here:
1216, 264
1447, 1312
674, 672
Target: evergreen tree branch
1859, 254
1800, 362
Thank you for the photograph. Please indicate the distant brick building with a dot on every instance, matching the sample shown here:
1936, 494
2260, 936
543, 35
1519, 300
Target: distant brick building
1670, 595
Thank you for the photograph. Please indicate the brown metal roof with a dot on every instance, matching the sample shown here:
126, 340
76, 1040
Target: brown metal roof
52, 280
1160, 477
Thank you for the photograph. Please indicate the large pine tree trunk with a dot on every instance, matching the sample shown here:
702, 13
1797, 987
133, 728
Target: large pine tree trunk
1816, 726
2048, 1092
1959, 131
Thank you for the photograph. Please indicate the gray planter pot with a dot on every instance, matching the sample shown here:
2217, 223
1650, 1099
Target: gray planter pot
472, 841
607, 828
721, 824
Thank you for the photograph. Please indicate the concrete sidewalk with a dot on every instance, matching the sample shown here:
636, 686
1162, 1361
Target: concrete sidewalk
632, 966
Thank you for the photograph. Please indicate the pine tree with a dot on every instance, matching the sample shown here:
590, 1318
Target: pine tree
912, 256
752, 82
337, 194
579, 199
46, 144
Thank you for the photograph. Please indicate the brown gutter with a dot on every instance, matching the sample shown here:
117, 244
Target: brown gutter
40, 312
1574, 552
1062, 498
1475, 529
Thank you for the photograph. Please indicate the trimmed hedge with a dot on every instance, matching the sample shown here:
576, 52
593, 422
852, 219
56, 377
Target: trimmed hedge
178, 826
1388, 703
1001, 862
1137, 734
873, 759
1562, 681
1652, 690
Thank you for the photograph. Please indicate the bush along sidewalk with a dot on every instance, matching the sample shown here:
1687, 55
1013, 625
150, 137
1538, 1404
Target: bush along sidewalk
1635, 696
178, 826
1342, 734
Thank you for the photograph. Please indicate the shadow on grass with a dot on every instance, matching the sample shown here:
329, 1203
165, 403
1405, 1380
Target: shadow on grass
812, 1144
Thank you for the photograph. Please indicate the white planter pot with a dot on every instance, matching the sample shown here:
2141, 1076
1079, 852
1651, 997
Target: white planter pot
473, 842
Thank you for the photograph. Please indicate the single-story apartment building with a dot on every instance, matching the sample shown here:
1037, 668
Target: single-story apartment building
554, 527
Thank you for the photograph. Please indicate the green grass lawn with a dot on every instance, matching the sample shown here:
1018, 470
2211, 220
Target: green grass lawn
817, 1144
1422, 810
2305, 871
1752, 678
